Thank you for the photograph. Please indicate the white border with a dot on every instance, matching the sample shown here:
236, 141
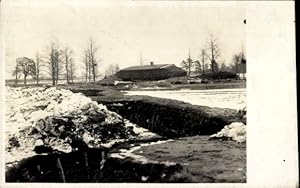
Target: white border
272, 155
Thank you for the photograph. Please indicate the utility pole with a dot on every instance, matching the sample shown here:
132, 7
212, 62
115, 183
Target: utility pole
203, 60
141, 59
189, 62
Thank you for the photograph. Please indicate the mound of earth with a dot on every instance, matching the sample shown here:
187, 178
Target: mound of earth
110, 80
42, 120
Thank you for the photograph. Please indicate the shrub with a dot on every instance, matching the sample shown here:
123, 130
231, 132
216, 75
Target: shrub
219, 75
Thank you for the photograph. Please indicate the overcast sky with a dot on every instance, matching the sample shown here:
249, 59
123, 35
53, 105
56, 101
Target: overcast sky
162, 33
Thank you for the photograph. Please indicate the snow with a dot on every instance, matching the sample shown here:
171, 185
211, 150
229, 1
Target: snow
236, 131
128, 153
140, 131
29, 109
222, 98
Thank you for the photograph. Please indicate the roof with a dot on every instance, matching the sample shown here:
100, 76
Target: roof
147, 67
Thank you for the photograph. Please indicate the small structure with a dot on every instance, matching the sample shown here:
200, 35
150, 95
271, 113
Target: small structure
150, 72
242, 70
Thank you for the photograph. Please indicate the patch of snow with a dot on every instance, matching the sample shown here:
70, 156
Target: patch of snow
140, 131
128, 153
235, 131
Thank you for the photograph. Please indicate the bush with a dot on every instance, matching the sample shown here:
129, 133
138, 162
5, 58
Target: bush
219, 75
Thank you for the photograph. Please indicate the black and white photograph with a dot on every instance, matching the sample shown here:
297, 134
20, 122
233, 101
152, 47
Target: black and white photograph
132, 92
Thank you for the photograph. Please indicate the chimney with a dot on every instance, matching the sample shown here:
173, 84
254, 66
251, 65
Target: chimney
151, 63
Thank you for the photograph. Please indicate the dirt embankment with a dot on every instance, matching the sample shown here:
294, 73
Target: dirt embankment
173, 119
166, 117
92, 165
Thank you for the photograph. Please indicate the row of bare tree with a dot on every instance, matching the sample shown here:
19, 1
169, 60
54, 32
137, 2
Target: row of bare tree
58, 63
208, 59
91, 61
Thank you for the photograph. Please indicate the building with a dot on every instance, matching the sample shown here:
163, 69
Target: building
242, 70
150, 72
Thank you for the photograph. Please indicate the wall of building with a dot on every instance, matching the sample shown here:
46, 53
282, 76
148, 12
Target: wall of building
152, 74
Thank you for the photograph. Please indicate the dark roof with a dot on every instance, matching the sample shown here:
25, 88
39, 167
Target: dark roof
148, 67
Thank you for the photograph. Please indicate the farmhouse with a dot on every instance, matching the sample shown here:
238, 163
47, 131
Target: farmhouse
150, 72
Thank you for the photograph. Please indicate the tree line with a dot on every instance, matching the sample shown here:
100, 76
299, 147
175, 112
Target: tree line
57, 63
208, 61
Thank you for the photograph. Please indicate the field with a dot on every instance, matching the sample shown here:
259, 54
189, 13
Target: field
222, 98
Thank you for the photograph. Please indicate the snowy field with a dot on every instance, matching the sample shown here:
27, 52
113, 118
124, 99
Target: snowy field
222, 98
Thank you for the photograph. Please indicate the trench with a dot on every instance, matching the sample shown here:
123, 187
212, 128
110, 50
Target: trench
168, 118
92, 165
173, 119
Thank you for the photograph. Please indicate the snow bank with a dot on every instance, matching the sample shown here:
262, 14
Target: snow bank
129, 153
61, 120
235, 131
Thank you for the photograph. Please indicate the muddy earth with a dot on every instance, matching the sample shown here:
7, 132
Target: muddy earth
203, 160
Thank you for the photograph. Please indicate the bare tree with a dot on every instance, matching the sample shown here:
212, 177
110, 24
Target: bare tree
52, 64
15, 73
85, 64
112, 69
236, 61
213, 53
203, 57
223, 67
198, 67
37, 67
71, 71
68, 58
92, 50
188, 64
26, 66
58, 59
53, 60
206, 66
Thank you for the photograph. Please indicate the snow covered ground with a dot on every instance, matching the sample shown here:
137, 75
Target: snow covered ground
223, 98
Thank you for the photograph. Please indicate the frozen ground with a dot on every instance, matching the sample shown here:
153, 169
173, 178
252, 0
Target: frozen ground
223, 98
